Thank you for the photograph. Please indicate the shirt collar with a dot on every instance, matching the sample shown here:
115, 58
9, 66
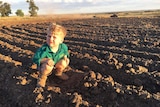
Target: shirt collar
48, 48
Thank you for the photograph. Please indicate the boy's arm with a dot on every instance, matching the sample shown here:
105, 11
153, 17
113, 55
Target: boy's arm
66, 59
37, 59
66, 51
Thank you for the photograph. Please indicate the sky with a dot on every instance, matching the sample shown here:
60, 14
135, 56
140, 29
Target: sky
83, 6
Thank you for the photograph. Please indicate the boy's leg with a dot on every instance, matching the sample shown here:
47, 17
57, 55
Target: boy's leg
60, 66
45, 70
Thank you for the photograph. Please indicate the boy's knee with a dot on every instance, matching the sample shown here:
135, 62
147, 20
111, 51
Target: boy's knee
46, 69
59, 70
61, 64
60, 67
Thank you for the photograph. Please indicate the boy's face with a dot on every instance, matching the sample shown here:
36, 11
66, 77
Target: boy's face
54, 39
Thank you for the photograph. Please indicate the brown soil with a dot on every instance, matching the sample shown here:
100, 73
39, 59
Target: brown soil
115, 62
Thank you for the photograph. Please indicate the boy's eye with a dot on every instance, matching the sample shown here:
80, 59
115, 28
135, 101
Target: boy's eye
49, 36
52, 36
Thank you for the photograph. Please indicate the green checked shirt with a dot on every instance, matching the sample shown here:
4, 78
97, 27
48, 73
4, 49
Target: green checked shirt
46, 52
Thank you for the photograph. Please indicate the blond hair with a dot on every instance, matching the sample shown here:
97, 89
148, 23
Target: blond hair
53, 28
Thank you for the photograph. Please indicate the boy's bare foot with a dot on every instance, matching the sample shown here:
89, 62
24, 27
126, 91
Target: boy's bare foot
63, 76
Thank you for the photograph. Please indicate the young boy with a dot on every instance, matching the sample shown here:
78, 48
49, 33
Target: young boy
53, 55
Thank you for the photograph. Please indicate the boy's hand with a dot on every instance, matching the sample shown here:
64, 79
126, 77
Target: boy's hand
63, 63
48, 61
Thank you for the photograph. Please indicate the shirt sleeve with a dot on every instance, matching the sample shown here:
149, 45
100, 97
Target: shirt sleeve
65, 47
37, 57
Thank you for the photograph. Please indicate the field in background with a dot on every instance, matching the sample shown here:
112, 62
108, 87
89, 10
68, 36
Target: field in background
115, 62
60, 17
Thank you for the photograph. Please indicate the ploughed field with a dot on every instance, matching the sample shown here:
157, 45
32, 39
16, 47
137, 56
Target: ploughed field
115, 62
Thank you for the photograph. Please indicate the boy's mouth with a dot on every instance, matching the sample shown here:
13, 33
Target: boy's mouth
51, 42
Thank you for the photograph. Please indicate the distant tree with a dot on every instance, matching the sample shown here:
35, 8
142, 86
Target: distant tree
19, 12
32, 8
5, 9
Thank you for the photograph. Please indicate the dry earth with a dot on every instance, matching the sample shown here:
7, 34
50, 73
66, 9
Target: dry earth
115, 62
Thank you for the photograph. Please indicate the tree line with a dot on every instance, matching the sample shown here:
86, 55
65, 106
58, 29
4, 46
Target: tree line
5, 9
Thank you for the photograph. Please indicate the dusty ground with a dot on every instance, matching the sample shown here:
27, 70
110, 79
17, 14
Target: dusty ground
115, 62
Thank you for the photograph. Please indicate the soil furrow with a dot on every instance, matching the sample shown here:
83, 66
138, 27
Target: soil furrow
127, 45
24, 44
23, 35
114, 49
16, 53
